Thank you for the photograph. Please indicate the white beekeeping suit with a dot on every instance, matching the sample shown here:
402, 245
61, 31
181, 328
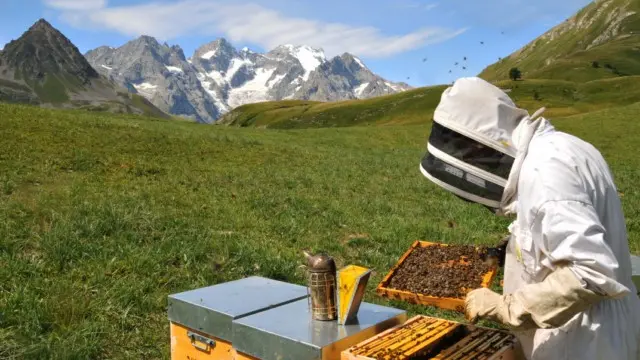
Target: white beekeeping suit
568, 292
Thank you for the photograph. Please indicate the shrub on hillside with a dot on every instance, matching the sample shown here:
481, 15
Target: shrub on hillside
515, 74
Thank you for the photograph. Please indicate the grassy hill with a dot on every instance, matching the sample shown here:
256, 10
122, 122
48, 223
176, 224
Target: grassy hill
606, 32
407, 107
562, 98
101, 222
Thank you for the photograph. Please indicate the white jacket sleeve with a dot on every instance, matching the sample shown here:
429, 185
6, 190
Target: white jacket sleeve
563, 235
582, 268
556, 191
547, 304
570, 232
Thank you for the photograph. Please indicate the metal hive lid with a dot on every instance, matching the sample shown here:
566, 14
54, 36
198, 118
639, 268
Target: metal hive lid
289, 333
212, 309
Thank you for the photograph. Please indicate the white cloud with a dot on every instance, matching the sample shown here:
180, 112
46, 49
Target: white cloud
76, 4
412, 4
253, 23
430, 6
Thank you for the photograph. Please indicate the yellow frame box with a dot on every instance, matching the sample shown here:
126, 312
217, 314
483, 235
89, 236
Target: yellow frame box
438, 339
424, 299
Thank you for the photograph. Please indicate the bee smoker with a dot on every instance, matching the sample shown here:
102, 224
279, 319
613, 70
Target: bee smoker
321, 285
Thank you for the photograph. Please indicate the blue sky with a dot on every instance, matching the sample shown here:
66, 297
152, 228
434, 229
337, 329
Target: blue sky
392, 37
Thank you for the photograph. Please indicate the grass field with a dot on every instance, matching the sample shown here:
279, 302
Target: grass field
102, 217
415, 107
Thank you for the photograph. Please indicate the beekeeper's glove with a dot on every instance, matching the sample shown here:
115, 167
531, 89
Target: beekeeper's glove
548, 304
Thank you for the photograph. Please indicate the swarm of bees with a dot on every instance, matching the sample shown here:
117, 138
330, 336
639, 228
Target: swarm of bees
464, 68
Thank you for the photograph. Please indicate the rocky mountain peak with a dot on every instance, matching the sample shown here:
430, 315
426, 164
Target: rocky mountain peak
304, 56
100, 50
176, 49
41, 25
148, 40
352, 62
219, 48
158, 72
43, 67
295, 48
43, 50
298, 52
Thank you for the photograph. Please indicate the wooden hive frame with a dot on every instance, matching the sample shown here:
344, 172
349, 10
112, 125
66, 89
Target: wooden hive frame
450, 340
456, 304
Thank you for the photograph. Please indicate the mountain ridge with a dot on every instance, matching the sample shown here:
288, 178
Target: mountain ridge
219, 77
156, 72
43, 67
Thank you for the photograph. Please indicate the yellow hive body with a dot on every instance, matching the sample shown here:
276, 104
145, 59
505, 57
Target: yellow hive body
352, 283
184, 347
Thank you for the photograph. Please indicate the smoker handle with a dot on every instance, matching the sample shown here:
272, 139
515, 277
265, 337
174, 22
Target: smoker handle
195, 338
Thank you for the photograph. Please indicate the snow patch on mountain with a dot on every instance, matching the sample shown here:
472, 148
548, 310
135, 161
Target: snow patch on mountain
209, 54
106, 67
309, 58
146, 89
220, 104
275, 80
359, 62
395, 87
252, 91
217, 77
358, 91
145, 86
174, 69
236, 64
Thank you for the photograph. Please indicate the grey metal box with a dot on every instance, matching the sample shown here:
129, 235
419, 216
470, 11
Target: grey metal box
212, 309
289, 333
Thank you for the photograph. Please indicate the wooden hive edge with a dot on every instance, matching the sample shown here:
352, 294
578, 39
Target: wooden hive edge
349, 355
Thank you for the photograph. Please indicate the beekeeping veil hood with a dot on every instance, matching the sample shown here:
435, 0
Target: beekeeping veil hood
478, 141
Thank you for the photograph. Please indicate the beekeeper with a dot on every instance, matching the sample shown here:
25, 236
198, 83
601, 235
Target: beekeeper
568, 292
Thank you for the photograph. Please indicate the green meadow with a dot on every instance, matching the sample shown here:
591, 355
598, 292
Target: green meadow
102, 216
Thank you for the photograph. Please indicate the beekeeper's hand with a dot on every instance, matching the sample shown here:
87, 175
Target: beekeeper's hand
548, 304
